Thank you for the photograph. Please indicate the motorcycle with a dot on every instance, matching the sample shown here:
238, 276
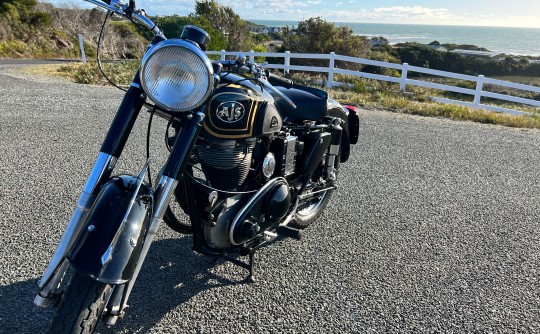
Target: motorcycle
253, 157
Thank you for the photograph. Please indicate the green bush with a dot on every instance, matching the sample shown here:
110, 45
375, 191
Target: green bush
85, 74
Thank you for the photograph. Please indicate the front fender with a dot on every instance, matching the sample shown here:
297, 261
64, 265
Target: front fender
110, 243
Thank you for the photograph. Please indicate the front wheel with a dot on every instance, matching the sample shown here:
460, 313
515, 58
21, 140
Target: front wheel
81, 306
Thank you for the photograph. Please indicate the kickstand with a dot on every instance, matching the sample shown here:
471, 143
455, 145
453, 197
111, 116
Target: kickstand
251, 277
248, 266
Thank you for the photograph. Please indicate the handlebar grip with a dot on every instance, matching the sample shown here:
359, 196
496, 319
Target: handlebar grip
280, 81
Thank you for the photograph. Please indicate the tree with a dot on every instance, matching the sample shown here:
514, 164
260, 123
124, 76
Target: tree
316, 35
21, 15
225, 21
173, 26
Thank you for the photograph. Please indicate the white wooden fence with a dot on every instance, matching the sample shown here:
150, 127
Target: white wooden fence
476, 94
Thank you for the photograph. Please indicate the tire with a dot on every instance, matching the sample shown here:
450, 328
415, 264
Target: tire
174, 216
173, 220
308, 212
81, 306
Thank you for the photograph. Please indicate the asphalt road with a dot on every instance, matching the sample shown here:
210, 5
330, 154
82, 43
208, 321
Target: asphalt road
434, 229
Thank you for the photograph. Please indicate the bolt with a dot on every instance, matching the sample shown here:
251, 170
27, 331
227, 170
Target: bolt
133, 242
91, 228
189, 116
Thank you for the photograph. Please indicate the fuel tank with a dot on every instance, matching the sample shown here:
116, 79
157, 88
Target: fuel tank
241, 109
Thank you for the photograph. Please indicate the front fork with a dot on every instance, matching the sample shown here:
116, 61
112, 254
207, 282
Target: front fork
176, 163
111, 149
53, 275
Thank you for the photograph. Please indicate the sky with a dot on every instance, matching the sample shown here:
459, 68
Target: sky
506, 13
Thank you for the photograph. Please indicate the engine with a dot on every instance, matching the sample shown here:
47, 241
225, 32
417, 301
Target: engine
226, 163
238, 116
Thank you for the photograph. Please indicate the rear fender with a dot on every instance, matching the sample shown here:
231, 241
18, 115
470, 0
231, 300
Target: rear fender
110, 243
349, 135
353, 123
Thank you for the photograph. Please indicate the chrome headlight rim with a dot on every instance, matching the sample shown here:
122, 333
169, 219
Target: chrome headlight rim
191, 47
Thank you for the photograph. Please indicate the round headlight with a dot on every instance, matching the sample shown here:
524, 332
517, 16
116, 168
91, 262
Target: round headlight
176, 75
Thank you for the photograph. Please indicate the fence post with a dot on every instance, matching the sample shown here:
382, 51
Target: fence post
251, 55
330, 82
287, 62
403, 82
81, 45
479, 88
222, 55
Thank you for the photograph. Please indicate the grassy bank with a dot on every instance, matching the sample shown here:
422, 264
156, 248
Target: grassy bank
365, 93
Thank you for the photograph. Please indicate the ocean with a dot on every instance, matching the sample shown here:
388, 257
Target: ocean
517, 41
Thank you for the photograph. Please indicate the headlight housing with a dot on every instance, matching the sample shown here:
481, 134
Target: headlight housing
176, 75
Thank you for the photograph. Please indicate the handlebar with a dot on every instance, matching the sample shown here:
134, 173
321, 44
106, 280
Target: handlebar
269, 86
128, 10
263, 77
279, 81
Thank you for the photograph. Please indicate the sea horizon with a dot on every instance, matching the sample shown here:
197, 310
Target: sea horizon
509, 40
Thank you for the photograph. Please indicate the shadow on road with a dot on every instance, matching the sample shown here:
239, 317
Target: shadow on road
171, 275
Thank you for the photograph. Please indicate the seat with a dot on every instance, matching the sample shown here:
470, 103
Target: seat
311, 103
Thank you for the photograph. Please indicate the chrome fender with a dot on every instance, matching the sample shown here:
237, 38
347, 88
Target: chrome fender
111, 240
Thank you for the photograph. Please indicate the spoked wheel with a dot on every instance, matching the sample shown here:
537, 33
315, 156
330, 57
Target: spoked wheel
175, 217
81, 306
310, 210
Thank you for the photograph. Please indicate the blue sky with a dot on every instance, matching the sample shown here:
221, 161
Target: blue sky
516, 13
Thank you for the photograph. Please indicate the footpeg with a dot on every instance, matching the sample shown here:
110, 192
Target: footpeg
290, 232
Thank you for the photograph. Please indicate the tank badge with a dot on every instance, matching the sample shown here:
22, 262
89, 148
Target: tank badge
274, 122
230, 112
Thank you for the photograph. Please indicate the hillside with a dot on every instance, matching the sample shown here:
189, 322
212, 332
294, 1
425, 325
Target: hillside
29, 29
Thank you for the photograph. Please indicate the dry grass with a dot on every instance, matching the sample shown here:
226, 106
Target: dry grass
46, 70
366, 93
419, 105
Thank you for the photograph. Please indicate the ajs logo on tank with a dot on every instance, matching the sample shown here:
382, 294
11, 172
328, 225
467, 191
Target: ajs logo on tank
230, 111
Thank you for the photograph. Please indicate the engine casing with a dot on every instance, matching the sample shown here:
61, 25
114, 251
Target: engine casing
226, 162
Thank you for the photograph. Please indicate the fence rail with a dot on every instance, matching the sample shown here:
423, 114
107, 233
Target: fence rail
403, 80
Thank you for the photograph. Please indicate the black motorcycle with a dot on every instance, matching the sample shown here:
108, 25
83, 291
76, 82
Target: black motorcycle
252, 157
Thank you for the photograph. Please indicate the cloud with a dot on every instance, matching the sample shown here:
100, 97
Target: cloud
416, 11
270, 9
395, 14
